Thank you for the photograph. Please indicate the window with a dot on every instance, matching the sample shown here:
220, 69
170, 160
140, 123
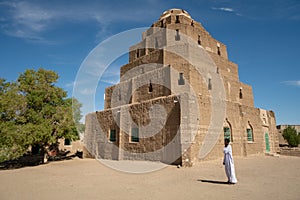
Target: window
156, 43
177, 19
192, 23
135, 135
150, 87
112, 135
209, 84
161, 23
119, 95
249, 135
219, 52
181, 79
241, 93
67, 142
227, 133
177, 36
199, 40
264, 120
137, 53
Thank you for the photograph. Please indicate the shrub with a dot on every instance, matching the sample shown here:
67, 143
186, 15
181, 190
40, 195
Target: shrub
291, 136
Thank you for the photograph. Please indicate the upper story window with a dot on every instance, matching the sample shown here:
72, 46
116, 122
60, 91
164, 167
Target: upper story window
177, 36
181, 79
177, 19
219, 52
150, 87
218, 48
264, 120
209, 84
241, 93
113, 135
199, 40
119, 95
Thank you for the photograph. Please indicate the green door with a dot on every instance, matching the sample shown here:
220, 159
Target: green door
267, 142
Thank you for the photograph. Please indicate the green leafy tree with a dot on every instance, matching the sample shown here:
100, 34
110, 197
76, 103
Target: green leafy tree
33, 111
291, 136
12, 105
76, 105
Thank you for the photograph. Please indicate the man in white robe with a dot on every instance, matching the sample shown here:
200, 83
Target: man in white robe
229, 163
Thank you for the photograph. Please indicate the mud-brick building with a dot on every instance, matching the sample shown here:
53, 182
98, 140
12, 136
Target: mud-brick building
178, 98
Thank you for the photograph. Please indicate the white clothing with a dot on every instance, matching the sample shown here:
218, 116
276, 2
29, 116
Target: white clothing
229, 164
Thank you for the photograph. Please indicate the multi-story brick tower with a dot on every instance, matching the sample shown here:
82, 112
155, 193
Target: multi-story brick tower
178, 98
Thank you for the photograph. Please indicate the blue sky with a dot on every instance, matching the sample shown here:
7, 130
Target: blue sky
262, 37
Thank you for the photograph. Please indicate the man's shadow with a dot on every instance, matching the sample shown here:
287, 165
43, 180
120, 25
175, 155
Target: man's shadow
214, 182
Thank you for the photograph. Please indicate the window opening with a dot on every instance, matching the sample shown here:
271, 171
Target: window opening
113, 135
181, 80
177, 36
135, 135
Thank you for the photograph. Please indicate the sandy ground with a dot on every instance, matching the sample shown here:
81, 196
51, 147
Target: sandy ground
261, 177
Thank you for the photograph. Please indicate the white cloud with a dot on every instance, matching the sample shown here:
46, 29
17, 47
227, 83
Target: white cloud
260, 10
29, 20
294, 83
78, 83
223, 9
87, 91
70, 84
111, 75
25, 20
111, 81
227, 9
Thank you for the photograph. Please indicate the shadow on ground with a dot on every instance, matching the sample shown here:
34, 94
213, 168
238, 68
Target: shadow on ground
34, 160
214, 182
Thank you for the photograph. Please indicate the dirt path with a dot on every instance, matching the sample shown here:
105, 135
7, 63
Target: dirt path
260, 177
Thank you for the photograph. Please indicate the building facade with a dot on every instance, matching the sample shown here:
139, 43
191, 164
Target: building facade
178, 98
